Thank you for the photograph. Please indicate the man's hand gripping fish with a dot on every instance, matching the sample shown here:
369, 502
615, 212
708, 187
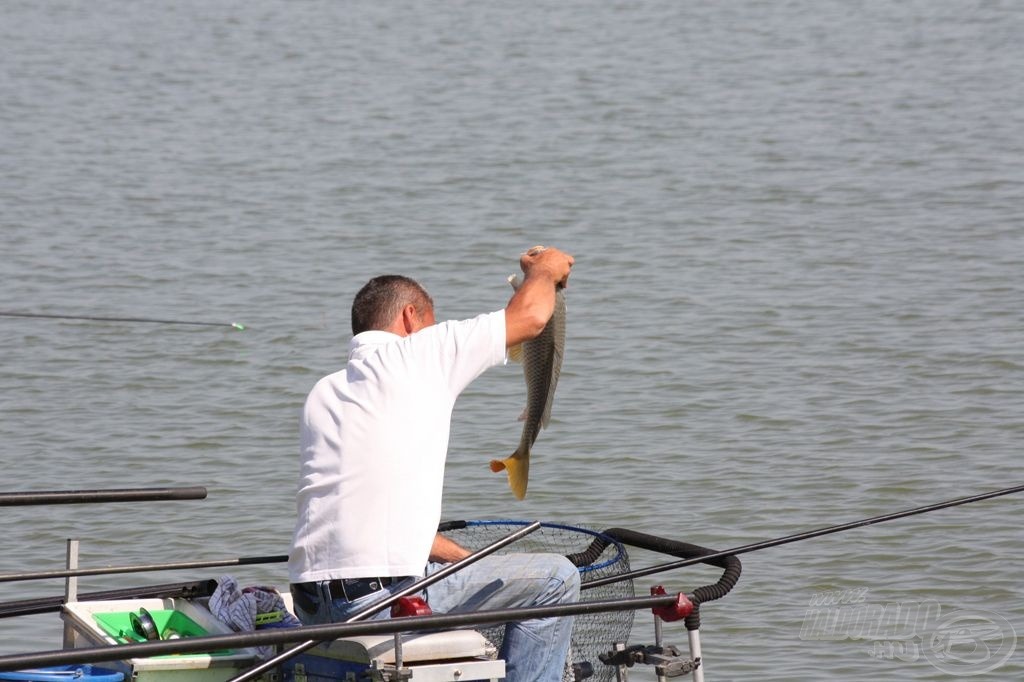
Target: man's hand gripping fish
542, 363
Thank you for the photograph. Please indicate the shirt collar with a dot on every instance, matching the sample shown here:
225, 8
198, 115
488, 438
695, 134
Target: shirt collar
364, 343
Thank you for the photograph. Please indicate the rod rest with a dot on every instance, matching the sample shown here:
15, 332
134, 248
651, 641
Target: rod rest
684, 550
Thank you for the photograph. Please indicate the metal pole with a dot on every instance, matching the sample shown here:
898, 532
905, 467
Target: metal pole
698, 672
70, 591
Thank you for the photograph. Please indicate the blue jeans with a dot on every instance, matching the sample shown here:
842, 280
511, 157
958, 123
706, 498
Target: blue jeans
533, 650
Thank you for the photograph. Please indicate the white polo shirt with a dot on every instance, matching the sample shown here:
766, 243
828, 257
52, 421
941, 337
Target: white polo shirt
374, 438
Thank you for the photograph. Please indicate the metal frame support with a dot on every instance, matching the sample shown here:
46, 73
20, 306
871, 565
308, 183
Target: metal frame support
698, 672
70, 590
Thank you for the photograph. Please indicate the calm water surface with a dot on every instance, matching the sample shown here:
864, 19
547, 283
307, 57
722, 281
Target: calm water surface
798, 299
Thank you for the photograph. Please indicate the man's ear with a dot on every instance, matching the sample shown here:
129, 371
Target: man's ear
410, 319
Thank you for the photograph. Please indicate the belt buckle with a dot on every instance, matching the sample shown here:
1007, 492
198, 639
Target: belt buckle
357, 588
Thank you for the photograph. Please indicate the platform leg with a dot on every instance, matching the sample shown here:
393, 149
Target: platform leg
70, 590
698, 672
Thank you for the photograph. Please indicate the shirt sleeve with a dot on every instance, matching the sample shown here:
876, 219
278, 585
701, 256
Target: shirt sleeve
468, 348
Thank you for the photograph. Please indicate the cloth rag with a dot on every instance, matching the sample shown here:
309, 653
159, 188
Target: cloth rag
238, 608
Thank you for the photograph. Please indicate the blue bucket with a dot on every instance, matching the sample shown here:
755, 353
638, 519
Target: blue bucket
65, 673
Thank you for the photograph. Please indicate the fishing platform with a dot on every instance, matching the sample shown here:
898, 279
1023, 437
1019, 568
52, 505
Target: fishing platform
181, 633
170, 633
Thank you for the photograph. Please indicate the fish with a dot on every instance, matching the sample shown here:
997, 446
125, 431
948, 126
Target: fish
542, 363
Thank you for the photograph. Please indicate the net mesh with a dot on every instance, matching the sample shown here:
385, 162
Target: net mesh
596, 556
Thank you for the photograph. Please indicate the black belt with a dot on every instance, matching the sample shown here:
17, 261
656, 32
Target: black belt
348, 589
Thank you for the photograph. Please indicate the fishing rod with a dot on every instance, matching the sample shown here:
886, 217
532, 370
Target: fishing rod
39, 605
324, 633
45, 497
796, 537
141, 568
96, 318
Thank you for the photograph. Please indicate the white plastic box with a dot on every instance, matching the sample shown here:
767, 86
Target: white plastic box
87, 631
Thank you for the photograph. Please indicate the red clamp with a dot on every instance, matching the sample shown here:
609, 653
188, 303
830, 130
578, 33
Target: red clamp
410, 606
681, 609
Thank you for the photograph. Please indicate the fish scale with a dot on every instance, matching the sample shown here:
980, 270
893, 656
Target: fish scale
542, 363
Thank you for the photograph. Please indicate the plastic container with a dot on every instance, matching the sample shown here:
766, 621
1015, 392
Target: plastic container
118, 624
64, 673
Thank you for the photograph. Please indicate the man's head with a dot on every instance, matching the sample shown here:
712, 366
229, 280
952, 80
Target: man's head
392, 303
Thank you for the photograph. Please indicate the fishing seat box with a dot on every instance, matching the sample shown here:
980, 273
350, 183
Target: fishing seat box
448, 656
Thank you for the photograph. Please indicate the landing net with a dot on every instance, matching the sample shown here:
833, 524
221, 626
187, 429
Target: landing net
596, 556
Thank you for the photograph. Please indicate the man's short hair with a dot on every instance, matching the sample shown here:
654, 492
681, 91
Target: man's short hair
382, 298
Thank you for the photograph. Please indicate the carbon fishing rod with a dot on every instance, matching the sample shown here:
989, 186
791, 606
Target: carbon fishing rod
45, 497
141, 568
323, 633
796, 537
38, 605
96, 318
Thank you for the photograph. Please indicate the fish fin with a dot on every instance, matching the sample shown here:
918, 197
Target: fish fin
518, 470
524, 414
515, 353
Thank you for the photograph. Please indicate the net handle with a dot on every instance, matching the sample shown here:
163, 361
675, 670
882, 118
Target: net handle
584, 561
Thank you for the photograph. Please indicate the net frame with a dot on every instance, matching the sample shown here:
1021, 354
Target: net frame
595, 555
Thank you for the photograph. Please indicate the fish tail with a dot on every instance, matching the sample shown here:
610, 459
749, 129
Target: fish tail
518, 468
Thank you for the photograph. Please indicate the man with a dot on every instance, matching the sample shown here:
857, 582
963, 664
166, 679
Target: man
374, 438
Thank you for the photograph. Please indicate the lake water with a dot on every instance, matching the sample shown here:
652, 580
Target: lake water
799, 232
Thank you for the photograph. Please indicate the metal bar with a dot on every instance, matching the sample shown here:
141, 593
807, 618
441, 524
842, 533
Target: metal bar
323, 633
806, 535
100, 496
141, 568
71, 590
385, 603
696, 655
